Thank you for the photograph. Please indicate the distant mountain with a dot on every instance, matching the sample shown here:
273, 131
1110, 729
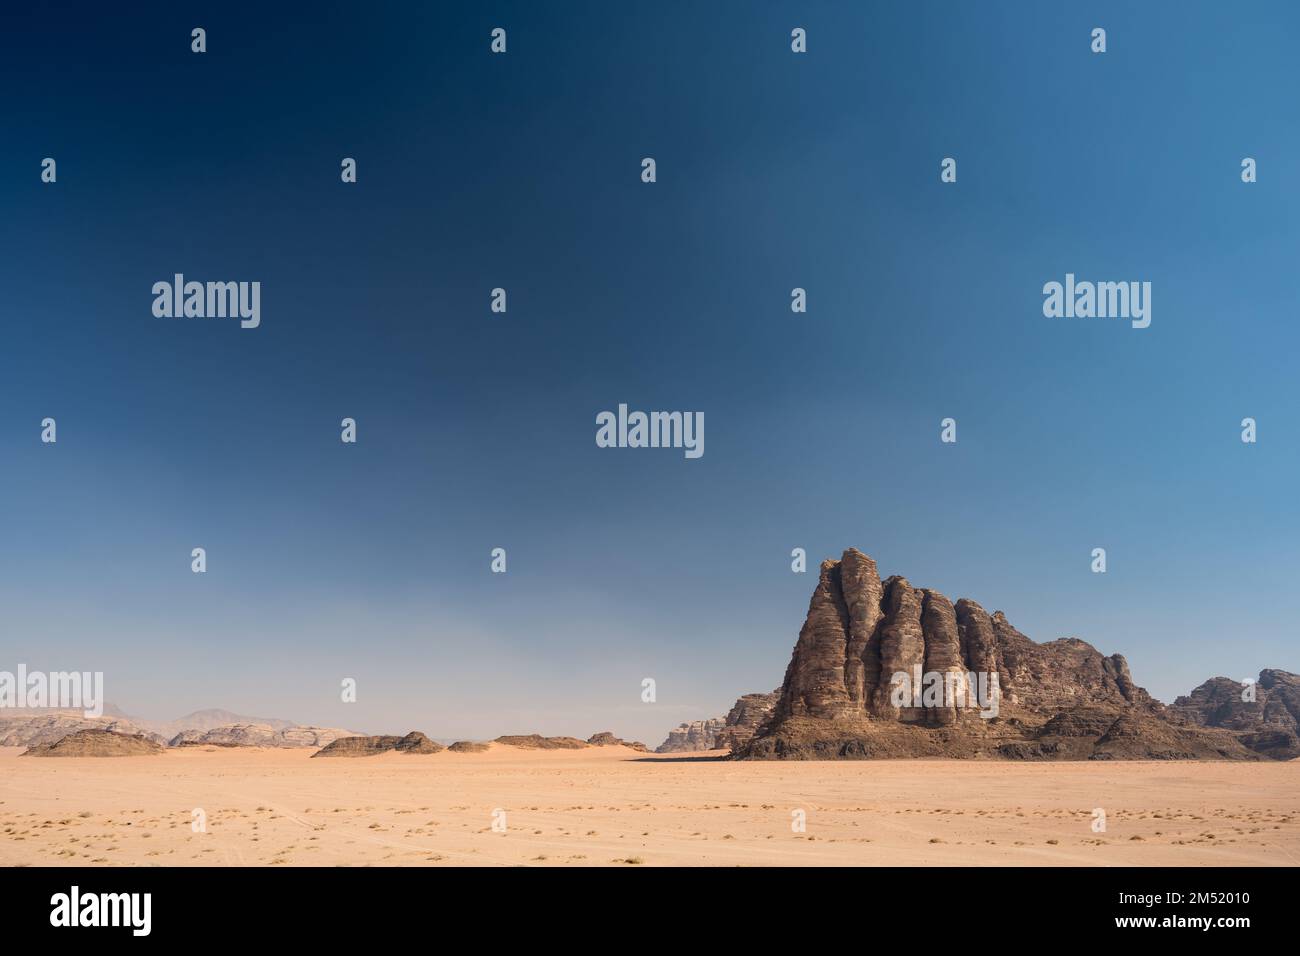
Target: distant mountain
37, 727
203, 720
32, 727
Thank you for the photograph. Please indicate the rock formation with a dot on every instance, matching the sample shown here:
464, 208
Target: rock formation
19, 728
607, 739
27, 727
538, 742
883, 669
722, 733
416, 742
260, 735
1266, 713
413, 743
744, 719
205, 720
96, 743
693, 737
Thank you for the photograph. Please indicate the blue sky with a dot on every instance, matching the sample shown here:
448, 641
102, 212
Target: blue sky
477, 430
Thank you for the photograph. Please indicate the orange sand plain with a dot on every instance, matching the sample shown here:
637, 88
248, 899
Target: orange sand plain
615, 807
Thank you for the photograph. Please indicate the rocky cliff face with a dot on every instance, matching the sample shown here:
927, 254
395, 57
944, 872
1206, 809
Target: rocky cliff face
884, 669
1267, 713
744, 719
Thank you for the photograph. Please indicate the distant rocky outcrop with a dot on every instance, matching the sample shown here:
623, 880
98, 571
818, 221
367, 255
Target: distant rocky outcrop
19, 728
210, 719
468, 747
413, 743
1266, 713
538, 742
28, 727
260, 735
883, 669
693, 737
606, 739
722, 733
96, 743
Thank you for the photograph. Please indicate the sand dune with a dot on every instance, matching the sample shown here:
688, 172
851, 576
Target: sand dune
614, 806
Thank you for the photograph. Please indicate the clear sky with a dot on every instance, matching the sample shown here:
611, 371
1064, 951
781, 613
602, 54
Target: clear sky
476, 430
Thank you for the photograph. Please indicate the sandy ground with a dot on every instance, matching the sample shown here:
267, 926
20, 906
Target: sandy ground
613, 806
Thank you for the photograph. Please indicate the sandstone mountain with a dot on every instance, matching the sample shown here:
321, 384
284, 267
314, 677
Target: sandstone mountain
260, 735
860, 681
721, 733
1267, 713
96, 743
468, 747
413, 743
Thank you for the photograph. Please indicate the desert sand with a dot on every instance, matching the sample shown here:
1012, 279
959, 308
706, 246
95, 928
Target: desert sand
612, 806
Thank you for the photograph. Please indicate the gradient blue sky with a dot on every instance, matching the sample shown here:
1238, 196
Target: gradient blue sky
477, 430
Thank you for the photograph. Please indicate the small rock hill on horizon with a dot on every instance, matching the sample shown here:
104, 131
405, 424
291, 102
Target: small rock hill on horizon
416, 742
96, 743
